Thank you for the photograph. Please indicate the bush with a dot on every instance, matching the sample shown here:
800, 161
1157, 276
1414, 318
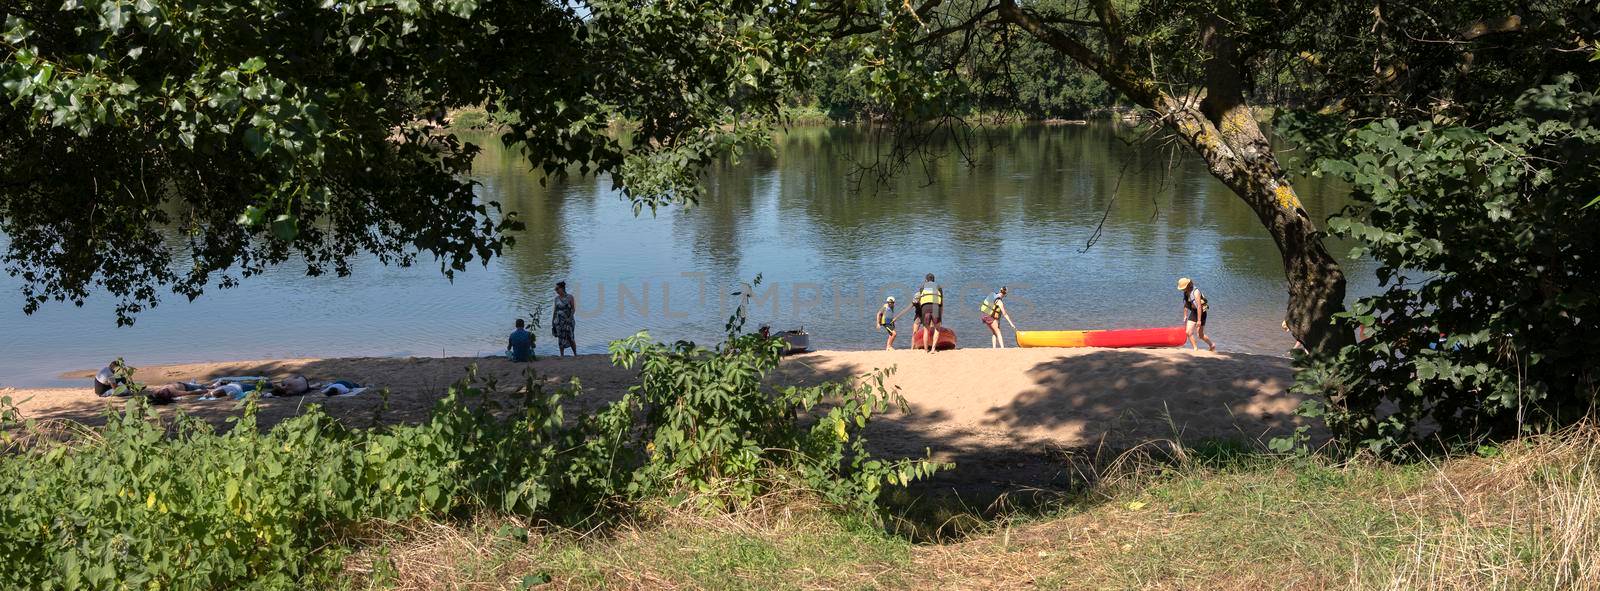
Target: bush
150, 503
713, 427
158, 504
471, 119
1487, 246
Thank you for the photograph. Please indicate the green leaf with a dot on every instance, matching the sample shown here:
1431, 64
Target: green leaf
253, 65
253, 140
533, 580
285, 228
252, 216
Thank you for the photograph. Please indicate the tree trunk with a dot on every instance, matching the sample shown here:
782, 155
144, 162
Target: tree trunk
1218, 125
1223, 130
1236, 152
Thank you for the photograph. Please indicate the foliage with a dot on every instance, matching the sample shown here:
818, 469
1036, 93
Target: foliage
1491, 263
472, 120
1039, 85
168, 144
158, 504
1519, 518
1005, 72
1470, 163
146, 502
714, 427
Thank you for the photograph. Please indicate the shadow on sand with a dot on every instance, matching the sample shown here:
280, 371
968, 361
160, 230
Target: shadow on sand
1034, 441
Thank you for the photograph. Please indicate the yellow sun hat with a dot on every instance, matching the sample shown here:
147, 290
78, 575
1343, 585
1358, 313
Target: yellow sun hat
1184, 283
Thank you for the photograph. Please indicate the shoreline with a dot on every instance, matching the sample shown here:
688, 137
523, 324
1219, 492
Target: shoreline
1007, 417
1011, 389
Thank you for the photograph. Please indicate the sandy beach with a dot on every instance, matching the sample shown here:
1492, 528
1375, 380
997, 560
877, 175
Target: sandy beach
1000, 414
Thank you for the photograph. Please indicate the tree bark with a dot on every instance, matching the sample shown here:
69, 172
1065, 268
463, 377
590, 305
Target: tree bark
1218, 124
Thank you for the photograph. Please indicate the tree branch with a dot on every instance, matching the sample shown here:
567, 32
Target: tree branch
1140, 89
964, 25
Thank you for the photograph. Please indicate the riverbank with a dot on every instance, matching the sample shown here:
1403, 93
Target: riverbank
1493, 520
1005, 417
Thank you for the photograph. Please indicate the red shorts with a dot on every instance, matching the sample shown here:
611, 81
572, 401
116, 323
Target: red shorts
989, 320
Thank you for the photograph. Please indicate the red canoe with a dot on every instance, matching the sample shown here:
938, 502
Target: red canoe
947, 340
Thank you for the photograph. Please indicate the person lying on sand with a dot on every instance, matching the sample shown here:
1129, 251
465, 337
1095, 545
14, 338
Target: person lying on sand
294, 385
341, 388
238, 388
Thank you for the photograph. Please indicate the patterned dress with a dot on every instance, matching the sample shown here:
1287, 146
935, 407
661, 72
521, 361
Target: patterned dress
561, 324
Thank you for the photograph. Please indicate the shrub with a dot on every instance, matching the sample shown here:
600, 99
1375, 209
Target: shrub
471, 119
1487, 247
153, 503
712, 425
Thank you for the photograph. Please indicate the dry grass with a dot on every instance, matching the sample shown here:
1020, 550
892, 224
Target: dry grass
1521, 517
1525, 518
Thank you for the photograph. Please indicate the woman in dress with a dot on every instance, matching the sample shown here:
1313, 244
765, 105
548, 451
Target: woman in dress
562, 323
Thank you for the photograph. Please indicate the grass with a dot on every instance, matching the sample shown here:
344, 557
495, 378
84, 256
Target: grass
1214, 516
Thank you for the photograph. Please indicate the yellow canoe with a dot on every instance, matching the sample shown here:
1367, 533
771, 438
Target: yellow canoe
1138, 337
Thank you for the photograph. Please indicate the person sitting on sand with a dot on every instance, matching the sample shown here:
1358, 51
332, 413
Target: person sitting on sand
1195, 309
931, 297
885, 321
519, 347
562, 321
107, 379
993, 310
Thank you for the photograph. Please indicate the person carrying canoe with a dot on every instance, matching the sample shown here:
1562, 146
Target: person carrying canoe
993, 309
885, 321
1195, 308
931, 299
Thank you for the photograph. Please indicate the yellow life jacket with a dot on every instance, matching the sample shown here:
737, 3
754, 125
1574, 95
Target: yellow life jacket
930, 295
989, 308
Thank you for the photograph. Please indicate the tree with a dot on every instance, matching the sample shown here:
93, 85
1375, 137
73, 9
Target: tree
1468, 132
1192, 65
261, 133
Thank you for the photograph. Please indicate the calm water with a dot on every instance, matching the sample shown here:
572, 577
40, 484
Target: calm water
828, 254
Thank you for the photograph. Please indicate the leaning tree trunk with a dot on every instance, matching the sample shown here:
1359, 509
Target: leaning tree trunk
1223, 131
1219, 126
1236, 152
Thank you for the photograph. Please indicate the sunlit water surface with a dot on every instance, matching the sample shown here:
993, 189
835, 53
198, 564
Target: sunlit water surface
827, 249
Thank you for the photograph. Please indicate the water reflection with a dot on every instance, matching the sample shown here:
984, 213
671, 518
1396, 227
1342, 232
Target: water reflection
1020, 215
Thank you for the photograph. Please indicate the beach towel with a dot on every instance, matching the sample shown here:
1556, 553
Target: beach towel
342, 388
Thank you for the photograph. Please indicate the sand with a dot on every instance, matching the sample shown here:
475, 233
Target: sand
1005, 416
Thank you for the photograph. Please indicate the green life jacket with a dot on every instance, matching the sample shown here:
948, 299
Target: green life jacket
930, 295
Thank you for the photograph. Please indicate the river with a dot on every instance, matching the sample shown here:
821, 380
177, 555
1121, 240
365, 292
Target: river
828, 249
